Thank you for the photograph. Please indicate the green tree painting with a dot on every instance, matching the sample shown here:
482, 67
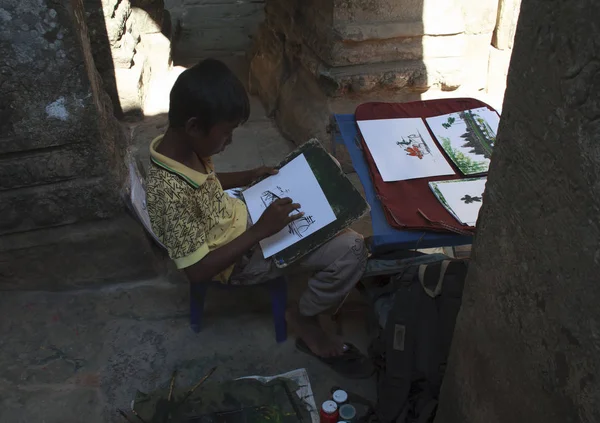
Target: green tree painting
467, 165
450, 122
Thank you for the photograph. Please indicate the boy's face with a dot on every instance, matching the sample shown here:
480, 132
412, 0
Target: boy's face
216, 140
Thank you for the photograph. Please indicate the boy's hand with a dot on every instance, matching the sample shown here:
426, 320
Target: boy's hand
276, 217
259, 172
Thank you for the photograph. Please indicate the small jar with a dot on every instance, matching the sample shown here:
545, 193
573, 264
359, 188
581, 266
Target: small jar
340, 397
329, 412
347, 412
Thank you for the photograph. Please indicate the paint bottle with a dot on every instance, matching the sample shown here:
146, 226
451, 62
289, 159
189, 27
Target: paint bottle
347, 413
340, 397
329, 412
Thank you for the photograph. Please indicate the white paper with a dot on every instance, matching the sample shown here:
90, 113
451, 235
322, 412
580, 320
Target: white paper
403, 149
297, 181
469, 149
463, 198
304, 392
138, 201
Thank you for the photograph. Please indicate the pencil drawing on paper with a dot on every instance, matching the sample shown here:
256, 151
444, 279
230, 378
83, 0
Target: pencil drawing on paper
297, 227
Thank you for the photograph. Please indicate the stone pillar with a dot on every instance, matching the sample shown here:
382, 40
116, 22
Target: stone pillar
62, 221
314, 57
526, 343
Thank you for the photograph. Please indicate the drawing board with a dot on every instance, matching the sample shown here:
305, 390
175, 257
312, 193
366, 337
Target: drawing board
297, 181
462, 197
403, 149
468, 137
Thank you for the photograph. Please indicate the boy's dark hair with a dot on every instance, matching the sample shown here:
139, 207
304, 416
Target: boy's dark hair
210, 92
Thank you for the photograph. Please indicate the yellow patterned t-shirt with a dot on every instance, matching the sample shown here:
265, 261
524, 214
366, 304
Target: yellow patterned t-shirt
189, 212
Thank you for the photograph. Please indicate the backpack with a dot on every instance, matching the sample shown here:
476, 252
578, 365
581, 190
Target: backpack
415, 314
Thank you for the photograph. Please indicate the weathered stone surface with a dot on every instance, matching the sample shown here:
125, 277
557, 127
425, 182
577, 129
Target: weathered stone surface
302, 101
476, 61
506, 24
479, 16
131, 85
157, 50
115, 21
497, 73
379, 10
526, 343
57, 204
207, 42
268, 68
147, 21
61, 149
77, 256
59, 164
214, 28
218, 15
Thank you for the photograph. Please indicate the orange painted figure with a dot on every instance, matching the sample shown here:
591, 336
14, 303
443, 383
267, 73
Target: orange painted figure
414, 151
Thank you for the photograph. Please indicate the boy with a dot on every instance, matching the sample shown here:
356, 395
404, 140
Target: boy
207, 233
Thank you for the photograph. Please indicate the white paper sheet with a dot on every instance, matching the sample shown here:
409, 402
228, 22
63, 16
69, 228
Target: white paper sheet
304, 392
469, 149
463, 197
403, 149
297, 181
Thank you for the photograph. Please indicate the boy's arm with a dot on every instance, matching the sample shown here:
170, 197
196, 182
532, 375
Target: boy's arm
241, 179
274, 219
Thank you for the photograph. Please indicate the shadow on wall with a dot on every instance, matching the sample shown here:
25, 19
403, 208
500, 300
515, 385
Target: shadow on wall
208, 28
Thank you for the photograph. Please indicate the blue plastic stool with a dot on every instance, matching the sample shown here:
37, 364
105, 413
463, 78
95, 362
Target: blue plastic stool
277, 289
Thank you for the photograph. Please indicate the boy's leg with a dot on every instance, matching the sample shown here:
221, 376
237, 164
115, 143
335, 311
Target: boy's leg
254, 269
336, 268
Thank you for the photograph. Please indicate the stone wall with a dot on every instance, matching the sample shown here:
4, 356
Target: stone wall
138, 48
526, 343
335, 54
214, 28
61, 156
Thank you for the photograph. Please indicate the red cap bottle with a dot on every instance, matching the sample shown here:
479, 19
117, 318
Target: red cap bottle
329, 412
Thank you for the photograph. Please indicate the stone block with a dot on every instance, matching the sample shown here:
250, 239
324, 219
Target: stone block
204, 42
58, 204
156, 48
506, 24
115, 21
122, 56
236, 15
268, 67
497, 73
145, 22
479, 16
78, 256
367, 78
302, 111
59, 164
476, 61
379, 10
131, 86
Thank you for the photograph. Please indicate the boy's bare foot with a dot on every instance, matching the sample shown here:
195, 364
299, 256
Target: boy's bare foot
309, 330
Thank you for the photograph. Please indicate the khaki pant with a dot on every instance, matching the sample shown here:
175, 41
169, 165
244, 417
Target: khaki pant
336, 267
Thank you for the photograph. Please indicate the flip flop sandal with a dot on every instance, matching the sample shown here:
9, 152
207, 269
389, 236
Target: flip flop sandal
352, 364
